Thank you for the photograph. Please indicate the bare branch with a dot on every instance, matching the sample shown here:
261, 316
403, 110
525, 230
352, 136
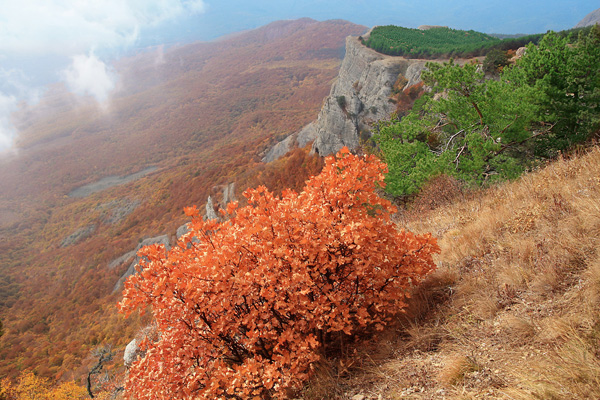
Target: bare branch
105, 354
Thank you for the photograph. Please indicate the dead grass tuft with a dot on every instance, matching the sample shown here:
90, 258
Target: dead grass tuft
570, 371
325, 384
435, 290
456, 367
518, 328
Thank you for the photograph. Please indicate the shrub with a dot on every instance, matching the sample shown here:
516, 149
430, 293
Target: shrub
494, 61
245, 311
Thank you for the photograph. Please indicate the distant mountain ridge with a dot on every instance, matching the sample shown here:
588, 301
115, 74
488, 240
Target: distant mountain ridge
592, 18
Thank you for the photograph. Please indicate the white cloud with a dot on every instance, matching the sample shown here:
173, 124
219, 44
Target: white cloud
14, 82
8, 104
40, 30
68, 27
89, 75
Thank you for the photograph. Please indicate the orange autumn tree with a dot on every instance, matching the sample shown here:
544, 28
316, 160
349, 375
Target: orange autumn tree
243, 307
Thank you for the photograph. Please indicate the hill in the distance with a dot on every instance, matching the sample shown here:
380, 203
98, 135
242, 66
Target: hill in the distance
184, 121
592, 18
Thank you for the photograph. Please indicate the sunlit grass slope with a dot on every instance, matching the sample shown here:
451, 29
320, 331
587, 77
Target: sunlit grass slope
512, 311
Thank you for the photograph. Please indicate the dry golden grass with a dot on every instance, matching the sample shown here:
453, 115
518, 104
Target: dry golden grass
513, 311
455, 369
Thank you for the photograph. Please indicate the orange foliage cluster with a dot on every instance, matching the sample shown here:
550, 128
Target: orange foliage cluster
405, 98
245, 306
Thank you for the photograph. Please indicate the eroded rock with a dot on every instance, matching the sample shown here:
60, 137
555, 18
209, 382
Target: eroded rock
163, 239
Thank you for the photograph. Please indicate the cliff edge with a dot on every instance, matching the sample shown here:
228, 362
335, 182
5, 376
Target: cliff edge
359, 96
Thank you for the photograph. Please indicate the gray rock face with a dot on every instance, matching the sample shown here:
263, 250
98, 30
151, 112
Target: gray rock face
228, 194
182, 230
164, 240
108, 182
115, 211
122, 260
359, 97
79, 235
210, 210
307, 134
592, 18
280, 149
413, 74
301, 138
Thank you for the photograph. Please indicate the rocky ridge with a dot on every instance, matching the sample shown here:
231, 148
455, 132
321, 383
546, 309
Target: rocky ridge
226, 193
359, 97
163, 239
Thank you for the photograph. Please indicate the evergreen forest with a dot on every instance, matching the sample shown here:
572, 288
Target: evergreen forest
481, 130
443, 42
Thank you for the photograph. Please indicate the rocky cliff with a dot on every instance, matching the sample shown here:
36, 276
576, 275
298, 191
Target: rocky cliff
359, 96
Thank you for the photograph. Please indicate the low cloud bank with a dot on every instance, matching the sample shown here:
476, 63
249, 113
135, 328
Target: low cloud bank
8, 104
71, 31
88, 75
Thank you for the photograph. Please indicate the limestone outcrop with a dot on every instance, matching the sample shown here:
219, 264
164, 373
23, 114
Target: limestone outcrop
225, 192
210, 210
164, 240
359, 97
79, 235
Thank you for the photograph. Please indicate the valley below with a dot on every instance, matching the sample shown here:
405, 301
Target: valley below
201, 115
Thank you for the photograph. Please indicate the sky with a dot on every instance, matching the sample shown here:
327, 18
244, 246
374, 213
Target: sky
75, 41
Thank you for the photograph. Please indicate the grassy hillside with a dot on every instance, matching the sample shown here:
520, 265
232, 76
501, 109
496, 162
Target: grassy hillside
512, 311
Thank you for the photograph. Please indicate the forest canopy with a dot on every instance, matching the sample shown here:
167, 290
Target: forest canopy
441, 42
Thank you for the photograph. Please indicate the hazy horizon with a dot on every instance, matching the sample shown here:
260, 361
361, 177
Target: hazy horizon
42, 42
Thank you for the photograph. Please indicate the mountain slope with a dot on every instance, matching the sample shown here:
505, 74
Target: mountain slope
511, 312
184, 121
592, 18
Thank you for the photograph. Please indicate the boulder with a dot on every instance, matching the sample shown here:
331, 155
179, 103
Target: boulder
132, 350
